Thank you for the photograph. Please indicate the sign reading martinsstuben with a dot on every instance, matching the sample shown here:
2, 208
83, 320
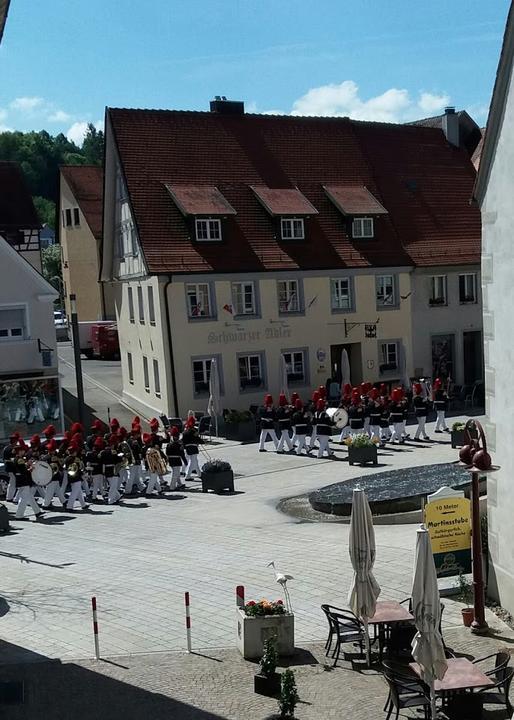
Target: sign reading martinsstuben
448, 523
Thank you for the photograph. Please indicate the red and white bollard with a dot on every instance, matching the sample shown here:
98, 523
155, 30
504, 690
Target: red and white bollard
95, 628
188, 622
240, 596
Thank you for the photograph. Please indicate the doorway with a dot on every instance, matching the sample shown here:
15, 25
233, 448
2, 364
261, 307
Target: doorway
472, 351
355, 358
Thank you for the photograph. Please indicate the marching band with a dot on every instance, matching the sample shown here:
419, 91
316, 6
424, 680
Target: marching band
375, 411
104, 467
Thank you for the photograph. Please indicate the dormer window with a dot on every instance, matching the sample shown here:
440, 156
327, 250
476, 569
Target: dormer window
208, 229
292, 229
362, 227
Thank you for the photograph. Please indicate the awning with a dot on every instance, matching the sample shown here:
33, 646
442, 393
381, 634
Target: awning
199, 200
354, 200
283, 201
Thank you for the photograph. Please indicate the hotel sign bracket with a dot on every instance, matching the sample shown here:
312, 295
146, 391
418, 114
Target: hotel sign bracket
370, 328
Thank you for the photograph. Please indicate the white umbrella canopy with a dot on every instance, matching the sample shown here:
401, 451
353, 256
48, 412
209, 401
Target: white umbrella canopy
427, 646
214, 404
282, 381
345, 369
364, 591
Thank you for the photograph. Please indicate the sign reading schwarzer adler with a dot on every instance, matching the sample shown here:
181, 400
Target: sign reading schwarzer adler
449, 527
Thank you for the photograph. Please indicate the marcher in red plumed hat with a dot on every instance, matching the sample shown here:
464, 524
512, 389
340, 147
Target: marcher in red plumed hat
440, 399
136, 420
99, 443
77, 439
315, 397
51, 445
190, 422
320, 405
154, 424
298, 404
136, 430
122, 433
417, 388
282, 400
421, 406
35, 441
147, 438
268, 400
113, 439
373, 393
294, 398
174, 431
49, 432
97, 425
322, 391
114, 424
76, 428
22, 445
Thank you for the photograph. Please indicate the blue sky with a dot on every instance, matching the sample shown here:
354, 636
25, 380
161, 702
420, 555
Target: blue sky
62, 61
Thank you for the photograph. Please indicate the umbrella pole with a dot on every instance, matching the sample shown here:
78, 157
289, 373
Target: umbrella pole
216, 424
368, 649
433, 708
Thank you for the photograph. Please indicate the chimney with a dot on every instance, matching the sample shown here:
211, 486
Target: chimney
451, 126
222, 106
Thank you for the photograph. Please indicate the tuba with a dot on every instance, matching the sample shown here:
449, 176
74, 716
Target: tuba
156, 463
75, 467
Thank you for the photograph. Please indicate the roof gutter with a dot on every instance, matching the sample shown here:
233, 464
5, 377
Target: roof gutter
170, 346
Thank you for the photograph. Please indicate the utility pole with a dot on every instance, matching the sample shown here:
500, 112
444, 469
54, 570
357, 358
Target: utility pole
76, 353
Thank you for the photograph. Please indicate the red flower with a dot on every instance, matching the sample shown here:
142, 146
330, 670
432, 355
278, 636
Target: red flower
279, 602
251, 603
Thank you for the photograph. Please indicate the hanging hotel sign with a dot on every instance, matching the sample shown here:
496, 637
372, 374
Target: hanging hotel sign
235, 336
449, 525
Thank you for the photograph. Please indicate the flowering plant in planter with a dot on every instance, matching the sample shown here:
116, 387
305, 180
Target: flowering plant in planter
264, 607
216, 466
361, 440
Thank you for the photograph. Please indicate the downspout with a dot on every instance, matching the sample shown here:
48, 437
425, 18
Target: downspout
170, 345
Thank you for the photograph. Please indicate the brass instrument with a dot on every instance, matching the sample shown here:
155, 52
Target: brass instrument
75, 467
156, 463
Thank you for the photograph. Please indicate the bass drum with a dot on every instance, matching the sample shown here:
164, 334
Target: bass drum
339, 417
41, 473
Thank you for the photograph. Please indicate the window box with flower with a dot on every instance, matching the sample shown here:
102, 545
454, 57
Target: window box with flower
260, 620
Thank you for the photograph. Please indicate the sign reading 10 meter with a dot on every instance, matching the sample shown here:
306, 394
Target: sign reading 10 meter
448, 523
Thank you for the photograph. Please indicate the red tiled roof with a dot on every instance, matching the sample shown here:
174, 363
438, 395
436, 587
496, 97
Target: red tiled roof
433, 225
17, 210
86, 184
354, 200
284, 201
200, 200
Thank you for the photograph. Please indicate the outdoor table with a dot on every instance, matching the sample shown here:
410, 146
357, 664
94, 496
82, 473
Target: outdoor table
388, 612
462, 674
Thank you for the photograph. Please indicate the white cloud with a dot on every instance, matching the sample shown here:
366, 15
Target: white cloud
26, 104
77, 131
59, 116
344, 99
3, 114
430, 103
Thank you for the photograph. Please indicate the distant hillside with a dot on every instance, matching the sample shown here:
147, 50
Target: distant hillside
40, 155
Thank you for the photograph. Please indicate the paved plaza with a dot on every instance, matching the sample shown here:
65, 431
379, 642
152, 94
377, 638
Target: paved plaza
139, 558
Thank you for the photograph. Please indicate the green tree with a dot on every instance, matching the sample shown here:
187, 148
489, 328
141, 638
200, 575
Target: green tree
52, 270
93, 146
46, 210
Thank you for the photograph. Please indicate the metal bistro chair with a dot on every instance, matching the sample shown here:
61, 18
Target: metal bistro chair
205, 426
401, 696
501, 660
498, 694
409, 684
345, 627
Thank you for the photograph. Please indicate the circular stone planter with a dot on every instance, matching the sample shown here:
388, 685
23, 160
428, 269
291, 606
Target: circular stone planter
395, 491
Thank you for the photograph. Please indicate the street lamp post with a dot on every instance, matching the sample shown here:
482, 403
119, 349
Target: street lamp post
76, 353
478, 462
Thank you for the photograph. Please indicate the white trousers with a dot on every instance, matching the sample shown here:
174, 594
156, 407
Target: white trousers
344, 433
175, 477
404, 428
314, 437
53, 489
25, 499
285, 439
76, 494
154, 484
441, 421
366, 425
385, 433
374, 430
114, 494
420, 430
300, 442
324, 446
192, 465
264, 436
11, 487
397, 432
97, 485
133, 477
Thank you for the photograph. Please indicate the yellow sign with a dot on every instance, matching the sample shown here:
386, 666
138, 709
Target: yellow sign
449, 526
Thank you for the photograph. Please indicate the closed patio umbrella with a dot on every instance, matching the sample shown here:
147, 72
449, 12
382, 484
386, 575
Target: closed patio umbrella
364, 590
345, 369
214, 404
427, 646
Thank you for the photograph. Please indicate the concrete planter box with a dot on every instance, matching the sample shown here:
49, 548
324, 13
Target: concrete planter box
252, 632
218, 481
243, 432
362, 455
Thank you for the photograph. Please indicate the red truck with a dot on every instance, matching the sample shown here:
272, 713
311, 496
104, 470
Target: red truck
105, 341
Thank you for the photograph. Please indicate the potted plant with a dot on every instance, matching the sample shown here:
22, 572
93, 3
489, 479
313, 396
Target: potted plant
258, 621
217, 475
267, 681
457, 434
288, 695
466, 596
240, 426
362, 449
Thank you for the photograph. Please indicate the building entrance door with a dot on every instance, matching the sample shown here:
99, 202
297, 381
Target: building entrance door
355, 358
472, 353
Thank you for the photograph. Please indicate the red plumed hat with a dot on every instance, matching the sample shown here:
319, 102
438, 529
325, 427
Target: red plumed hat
73, 446
322, 391
356, 399
396, 394
190, 422
115, 423
373, 393
113, 439
76, 428
122, 432
99, 443
347, 388
22, 445
282, 400
51, 445
298, 404
315, 396
154, 423
14, 436
268, 399
320, 405
136, 420
294, 397
438, 383
136, 430
174, 431
49, 431
77, 438
97, 425
383, 389
418, 389
147, 438
35, 440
